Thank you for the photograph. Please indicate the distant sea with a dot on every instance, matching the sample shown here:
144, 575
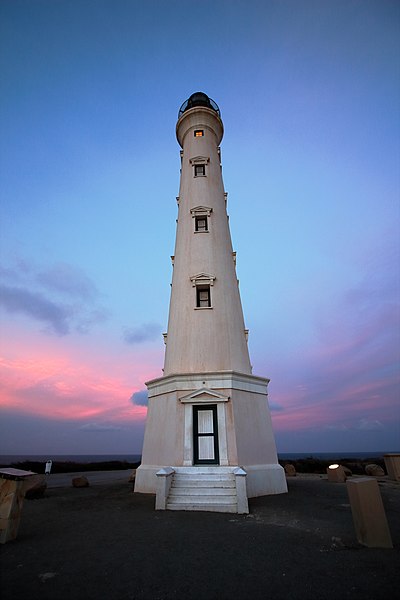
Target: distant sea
7, 459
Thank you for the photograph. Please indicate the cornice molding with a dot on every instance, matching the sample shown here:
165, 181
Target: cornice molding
217, 380
199, 160
201, 211
202, 279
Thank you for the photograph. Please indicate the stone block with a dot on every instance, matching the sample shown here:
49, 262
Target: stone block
368, 512
392, 464
11, 501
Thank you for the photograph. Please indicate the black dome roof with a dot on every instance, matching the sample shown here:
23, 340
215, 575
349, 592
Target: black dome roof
198, 99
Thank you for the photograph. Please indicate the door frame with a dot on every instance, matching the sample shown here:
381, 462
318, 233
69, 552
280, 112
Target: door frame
196, 460
199, 397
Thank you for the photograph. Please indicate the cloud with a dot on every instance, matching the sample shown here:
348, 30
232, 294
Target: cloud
86, 320
35, 305
67, 279
34, 434
274, 407
144, 333
337, 427
77, 379
96, 427
140, 398
62, 296
369, 425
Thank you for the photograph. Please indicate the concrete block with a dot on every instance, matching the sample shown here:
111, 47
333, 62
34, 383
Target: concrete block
241, 492
368, 512
11, 501
164, 481
392, 464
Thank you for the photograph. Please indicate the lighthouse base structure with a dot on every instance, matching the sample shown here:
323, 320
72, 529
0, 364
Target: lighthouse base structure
219, 419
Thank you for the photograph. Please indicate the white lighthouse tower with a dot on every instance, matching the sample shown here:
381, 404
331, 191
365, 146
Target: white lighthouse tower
208, 443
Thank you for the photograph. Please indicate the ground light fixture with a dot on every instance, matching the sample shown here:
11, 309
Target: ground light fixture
336, 473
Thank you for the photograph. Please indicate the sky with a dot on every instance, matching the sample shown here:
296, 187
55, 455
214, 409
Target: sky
309, 95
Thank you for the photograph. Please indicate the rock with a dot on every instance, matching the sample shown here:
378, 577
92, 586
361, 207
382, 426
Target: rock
35, 486
348, 472
374, 470
80, 482
290, 470
132, 476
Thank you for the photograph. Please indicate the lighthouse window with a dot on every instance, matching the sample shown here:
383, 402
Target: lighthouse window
198, 133
203, 299
201, 224
199, 170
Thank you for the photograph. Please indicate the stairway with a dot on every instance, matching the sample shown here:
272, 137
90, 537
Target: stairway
204, 489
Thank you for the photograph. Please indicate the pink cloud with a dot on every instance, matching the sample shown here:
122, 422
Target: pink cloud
41, 377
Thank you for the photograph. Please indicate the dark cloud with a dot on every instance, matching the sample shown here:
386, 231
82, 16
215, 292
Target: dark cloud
35, 305
62, 297
87, 318
274, 407
140, 398
32, 434
144, 333
66, 279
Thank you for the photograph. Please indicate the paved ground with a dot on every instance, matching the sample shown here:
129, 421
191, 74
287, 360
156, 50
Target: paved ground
57, 480
104, 542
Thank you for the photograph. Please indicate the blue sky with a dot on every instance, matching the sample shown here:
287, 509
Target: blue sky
309, 95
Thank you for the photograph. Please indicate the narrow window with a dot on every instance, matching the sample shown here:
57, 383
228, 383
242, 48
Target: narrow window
203, 299
199, 170
200, 223
198, 133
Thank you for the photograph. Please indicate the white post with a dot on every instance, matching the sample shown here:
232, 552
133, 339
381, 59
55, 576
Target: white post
241, 491
164, 480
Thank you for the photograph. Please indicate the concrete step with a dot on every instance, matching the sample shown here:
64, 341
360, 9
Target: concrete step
201, 491
192, 506
202, 483
216, 478
208, 489
204, 500
205, 470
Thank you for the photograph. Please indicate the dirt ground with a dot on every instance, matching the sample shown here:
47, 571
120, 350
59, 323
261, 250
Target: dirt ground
105, 542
